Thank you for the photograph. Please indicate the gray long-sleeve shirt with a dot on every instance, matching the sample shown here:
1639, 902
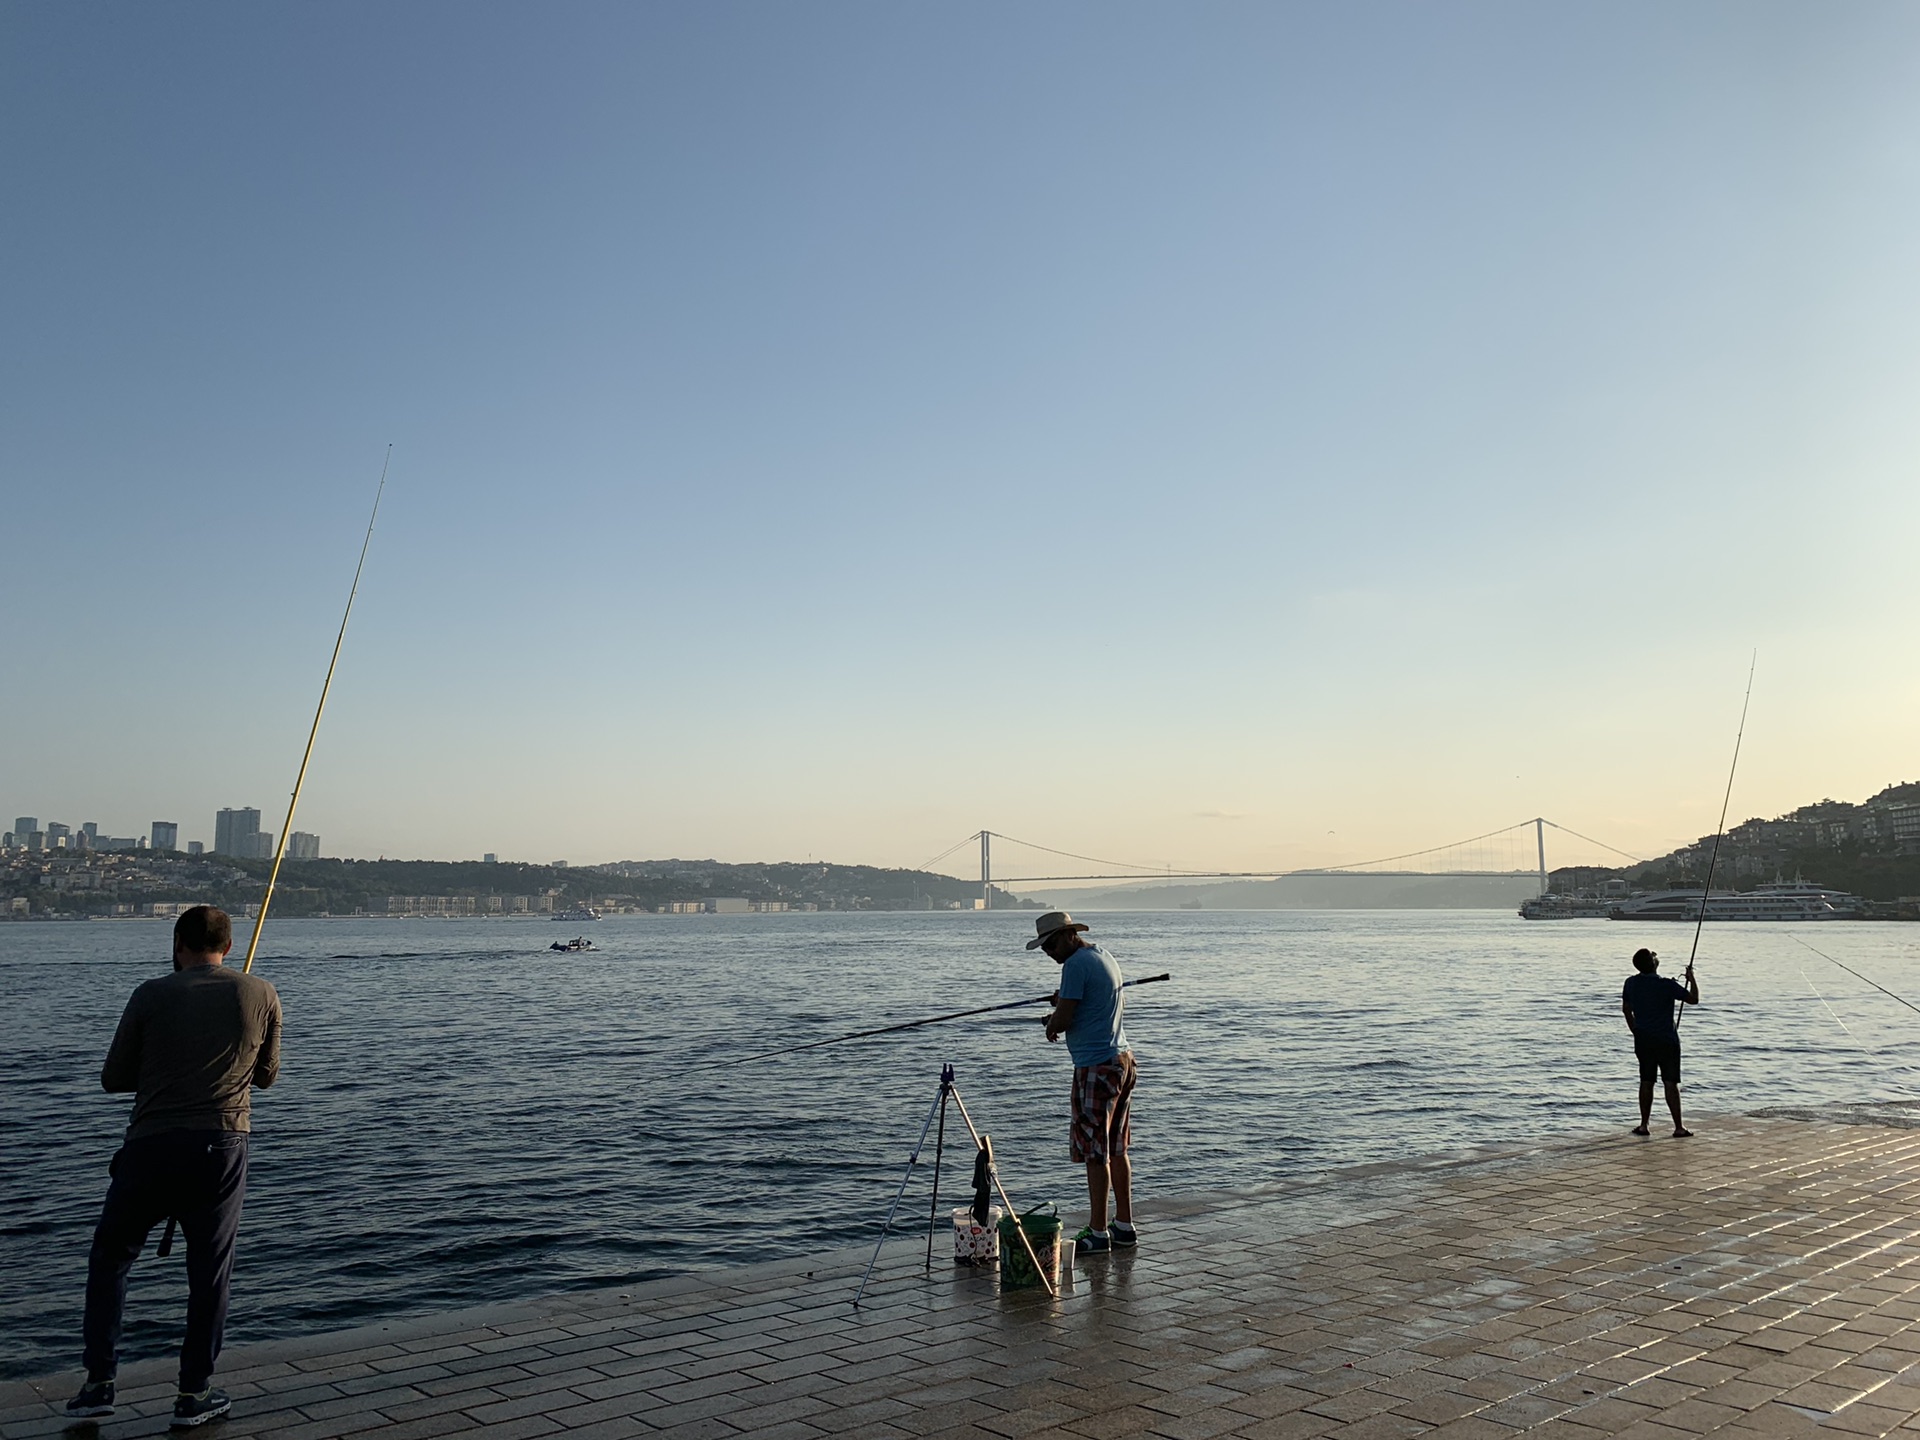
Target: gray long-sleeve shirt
190, 1047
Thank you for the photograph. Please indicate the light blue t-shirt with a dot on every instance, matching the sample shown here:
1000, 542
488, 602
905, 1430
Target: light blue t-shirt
1092, 977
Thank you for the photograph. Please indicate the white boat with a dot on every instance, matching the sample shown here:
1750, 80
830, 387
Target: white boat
579, 912
1553, 906
1782, 900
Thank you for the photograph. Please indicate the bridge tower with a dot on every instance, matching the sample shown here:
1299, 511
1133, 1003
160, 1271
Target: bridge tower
1540, 840
986, 869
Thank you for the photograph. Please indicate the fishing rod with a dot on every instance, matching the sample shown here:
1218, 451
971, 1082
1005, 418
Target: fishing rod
300, 780
165, 1247
1714, 858
909, 1025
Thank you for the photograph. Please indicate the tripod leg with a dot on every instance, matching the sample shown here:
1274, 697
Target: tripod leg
939, 1147
886, 1228
1019, 1229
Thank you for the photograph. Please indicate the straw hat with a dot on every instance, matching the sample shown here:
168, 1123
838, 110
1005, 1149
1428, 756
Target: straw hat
1050, 924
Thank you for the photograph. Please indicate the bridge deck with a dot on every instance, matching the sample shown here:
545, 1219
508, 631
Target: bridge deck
1757, 1282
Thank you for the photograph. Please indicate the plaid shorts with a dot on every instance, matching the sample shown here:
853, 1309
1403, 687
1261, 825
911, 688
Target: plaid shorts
1102, 1096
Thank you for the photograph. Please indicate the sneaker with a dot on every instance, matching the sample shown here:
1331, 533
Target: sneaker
1092, 1242
1125, 1237
192, 1410
94, 1402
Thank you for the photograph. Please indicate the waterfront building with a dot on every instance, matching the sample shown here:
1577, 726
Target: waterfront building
166, 835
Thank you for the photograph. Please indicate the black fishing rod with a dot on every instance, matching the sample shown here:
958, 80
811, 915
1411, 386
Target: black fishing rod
1713, 859
908, 1025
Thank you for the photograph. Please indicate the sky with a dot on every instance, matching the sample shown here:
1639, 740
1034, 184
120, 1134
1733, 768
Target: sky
1220, 435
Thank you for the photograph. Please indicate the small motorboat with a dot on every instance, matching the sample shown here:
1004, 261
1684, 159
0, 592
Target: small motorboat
573, 946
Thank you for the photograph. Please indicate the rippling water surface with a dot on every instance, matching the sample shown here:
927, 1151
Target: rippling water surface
464, 1116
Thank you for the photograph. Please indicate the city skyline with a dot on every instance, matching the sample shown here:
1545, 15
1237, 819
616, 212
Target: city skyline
1235, 437
236, 831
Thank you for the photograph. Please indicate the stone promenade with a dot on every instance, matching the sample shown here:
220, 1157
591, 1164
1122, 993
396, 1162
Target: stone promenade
1760, 1280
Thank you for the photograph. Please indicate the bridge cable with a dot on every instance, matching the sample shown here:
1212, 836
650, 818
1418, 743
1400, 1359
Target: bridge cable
1090, 859
1591, 841
928, 864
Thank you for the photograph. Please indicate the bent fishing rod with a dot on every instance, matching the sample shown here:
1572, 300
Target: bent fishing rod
907, 1025
300, 780
1713, 859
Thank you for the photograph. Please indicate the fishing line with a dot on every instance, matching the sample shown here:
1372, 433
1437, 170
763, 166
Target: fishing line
1828, 1008
286, 830
904, 1025
1725, 800
1858, 976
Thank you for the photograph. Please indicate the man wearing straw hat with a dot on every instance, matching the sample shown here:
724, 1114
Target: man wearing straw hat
190, 1048
1086, 1010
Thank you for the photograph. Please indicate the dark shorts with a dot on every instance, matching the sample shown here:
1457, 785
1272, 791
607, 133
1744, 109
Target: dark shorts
1661, 1055
1102, 1108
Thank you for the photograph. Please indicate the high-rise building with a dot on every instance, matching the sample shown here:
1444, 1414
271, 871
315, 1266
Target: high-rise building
166, 835
91, 831
237, 832
490, 858
57, 835
24, 827
194, 847
302, 846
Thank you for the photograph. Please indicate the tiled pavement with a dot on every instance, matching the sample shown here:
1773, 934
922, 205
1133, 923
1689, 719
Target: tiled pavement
1758, 1281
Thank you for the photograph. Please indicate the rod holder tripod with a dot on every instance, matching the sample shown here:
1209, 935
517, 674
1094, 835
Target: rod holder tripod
949, 1091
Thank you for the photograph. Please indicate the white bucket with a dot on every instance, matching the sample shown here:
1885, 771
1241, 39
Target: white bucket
975, 1244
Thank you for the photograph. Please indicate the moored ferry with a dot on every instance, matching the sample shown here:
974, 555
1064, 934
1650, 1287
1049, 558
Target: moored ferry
1563, 907
1782, 900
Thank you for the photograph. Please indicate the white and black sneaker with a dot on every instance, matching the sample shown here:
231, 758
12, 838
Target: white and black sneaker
1125, 1237
192, 1410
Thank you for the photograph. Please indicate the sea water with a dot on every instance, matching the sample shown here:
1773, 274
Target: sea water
465, 1116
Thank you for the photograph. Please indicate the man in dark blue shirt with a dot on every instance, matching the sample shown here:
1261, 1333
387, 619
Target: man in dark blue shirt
1647, 1001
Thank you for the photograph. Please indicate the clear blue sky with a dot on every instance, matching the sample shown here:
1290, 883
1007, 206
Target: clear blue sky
1225, 434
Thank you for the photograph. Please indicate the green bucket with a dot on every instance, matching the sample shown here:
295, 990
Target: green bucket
1043, 1233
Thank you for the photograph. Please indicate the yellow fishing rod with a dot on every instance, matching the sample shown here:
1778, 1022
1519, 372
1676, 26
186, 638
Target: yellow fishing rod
300, 780
165, 1246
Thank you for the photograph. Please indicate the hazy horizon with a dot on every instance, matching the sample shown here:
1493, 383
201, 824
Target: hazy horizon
1232, 437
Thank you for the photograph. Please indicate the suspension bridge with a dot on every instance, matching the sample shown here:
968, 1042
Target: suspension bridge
1513, 852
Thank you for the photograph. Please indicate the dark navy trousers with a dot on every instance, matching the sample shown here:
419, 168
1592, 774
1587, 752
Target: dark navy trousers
198, 1177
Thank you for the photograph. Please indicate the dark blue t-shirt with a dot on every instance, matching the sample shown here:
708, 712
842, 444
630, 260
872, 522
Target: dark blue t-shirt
1650, 998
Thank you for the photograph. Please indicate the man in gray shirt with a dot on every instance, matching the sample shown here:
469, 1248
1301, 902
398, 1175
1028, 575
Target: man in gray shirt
190, 1048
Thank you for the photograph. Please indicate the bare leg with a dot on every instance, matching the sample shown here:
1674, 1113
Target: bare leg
1673, 1104
1097, 1194
1121, 1169
1646, 1104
